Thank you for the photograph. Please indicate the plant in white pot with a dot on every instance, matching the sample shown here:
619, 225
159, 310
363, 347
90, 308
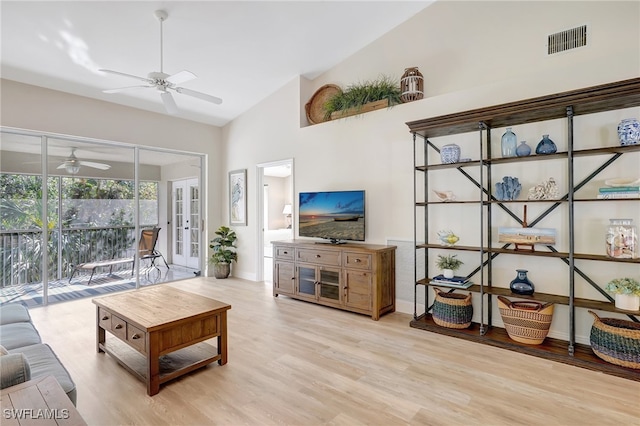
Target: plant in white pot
224, 251
448, 265
626, 291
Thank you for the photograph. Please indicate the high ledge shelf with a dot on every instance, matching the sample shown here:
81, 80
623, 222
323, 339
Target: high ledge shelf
565, 106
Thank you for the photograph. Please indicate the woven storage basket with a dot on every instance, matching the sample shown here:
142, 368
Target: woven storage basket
452, 310
616, 341
526, 322
315, 107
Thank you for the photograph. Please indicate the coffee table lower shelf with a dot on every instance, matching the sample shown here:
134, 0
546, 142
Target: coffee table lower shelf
172, 365
551, 349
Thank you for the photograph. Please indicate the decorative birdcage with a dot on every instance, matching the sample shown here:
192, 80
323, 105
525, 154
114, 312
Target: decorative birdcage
411, 85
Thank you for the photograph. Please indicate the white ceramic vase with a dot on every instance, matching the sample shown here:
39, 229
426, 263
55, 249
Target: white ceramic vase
448, 273
628, 302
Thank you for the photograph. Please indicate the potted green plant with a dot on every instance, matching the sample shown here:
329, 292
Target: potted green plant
626, 291
448, 264
379, 93
224, 251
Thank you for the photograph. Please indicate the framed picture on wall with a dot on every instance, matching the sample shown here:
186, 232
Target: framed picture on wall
238, 197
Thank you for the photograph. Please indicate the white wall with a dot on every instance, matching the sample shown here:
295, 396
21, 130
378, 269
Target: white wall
472, 54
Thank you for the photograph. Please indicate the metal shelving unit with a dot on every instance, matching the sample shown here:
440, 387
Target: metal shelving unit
567, 105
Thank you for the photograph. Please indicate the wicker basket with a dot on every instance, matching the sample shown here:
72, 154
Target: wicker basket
526, 321
616, 341
452, 310
315, 107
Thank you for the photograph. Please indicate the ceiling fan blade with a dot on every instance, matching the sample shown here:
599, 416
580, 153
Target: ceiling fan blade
61, 166
146, 80
121, 89
181, 77
100, 166
199, 95
169, 103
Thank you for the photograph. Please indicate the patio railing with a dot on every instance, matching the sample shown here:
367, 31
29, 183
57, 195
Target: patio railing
21, 251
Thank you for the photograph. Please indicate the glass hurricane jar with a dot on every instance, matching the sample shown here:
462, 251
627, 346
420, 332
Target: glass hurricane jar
622, 239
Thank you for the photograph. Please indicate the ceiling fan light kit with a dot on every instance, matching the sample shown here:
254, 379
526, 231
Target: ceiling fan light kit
164, 82
72, 164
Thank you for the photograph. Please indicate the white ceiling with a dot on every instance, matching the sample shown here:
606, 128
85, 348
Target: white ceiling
241, 51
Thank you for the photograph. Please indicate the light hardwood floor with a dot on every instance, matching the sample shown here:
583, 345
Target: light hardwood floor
296, 363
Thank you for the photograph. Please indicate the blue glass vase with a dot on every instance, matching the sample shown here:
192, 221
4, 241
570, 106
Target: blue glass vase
521, 284
509, 143
546, 146
523, 149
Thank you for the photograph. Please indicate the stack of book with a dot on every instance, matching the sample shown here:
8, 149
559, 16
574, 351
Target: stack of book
455, 282
617, 192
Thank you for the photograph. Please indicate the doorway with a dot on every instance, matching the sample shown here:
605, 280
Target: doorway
186, 223
276, 210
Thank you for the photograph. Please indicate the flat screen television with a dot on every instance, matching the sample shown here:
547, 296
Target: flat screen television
337, 216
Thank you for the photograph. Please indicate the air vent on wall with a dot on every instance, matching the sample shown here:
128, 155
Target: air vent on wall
566, 40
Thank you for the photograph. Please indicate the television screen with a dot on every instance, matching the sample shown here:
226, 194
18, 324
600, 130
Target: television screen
333, 215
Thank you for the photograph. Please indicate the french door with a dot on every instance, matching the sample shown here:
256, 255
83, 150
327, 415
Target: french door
186, 223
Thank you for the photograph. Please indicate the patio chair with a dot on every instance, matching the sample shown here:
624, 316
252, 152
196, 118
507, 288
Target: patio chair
146, 251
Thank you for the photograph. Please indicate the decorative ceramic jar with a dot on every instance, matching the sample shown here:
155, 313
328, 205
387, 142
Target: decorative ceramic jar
521, 284
629, 131
411, 84
523, 149
622, 239
509, 143
450, 153
546, 146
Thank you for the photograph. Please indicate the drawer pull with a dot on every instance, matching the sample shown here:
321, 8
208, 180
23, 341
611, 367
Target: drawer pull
317, 256
118, 326
135, 336
285, 252
358, 260
106, 317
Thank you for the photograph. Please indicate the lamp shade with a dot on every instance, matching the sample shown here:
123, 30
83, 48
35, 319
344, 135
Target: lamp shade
72, 168
287, 209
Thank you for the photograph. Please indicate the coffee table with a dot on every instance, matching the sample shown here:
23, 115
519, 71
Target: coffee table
38, 401
160, 332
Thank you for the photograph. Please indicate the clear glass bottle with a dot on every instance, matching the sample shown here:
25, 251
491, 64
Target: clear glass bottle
622, 239
509, 143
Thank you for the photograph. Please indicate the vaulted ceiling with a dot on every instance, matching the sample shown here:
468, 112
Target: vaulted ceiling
240, 51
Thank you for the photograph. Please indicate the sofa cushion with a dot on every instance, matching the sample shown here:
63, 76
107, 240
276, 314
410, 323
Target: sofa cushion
14, 312
44, 362
3, 350
18, 334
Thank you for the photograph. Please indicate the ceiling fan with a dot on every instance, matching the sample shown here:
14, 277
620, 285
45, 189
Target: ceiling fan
165, 82
72, 164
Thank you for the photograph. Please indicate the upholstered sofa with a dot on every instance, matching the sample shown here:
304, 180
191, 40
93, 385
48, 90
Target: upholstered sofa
23, 356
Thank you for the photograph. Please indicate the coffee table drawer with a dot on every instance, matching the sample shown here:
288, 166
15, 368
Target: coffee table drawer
136, 338
104, 319
119, 327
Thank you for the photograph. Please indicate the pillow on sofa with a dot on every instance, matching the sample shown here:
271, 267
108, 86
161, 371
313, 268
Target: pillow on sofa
14, 369
3, 351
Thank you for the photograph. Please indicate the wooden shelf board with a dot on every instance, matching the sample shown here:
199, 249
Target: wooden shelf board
534, 157
551, 349
605, 97
172, 365
598, 305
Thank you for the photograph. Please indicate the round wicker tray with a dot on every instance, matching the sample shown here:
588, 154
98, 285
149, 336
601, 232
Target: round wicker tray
315, 107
